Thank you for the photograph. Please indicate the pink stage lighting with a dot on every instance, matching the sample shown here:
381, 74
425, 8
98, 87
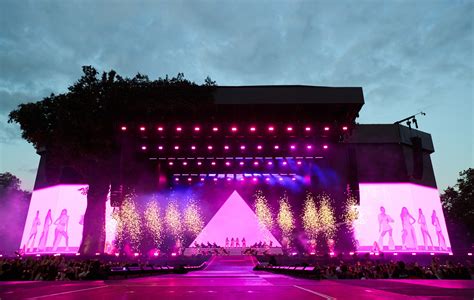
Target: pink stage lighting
226, 147
136, 254
298, 163
143, 147
160, 128
160, 147
179, 128
254, 179
293, 178
270, 163
197, 128
344, 128
190, 179
193, 147
259, 147
242, 147
241, 163
252, 129
276, 147
234, 129
284, 163
176, 147
185, 163
267, 179
202, 178
289, 128
309, 147
292, 147
123, 128
308, 129
213, 163
215, 129
228, 178
215, 179
227, 163
199, 163
325, 147
176, 179
255, 163
209, 147
271, 128
326, 128
281, 178
170, 163
142, 128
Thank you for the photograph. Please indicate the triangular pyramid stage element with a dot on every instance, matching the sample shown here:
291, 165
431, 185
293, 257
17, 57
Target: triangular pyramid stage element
235, 219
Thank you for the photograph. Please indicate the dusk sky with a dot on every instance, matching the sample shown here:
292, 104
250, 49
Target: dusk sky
408, 56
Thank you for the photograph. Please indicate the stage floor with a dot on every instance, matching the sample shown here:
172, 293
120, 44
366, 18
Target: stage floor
232, 278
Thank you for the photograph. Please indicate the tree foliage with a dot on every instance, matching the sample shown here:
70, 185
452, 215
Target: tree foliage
458, 201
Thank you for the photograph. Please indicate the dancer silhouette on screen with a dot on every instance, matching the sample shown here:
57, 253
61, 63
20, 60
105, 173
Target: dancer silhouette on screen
48, 220
439, 233
408, 232
384, 228
227, 242
61, 230
33, 232
424, 229
244, 243
232, 242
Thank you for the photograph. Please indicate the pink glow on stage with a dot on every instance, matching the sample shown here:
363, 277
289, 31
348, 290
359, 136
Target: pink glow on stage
271, 128
276, 147
123, 128
234, 129
160, 128
252, 129
308, 128
309, 147
179, 128
193, 147
326, 128
241, 163
235, 219
344, 128
393, 197
215, 129
143, 147
242, 147
325, 147
284, 163
199, 163
226, 147
209, 147
142, 128
160, 147
176, 147
227, 163
170, 163
259, 147
289, 128
197, 128
57, 198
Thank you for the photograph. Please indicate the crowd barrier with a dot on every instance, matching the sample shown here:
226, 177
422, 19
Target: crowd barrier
139, 271
303, 271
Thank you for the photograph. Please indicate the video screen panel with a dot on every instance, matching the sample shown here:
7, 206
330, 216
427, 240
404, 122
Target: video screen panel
397, 217
55, 220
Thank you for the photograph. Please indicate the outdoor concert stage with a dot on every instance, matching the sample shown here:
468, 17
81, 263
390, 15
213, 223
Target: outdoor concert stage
281, 165
233, 278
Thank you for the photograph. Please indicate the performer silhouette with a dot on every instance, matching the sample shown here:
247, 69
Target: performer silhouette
227, 242
61, 230
48, 220
33, 232
244, 243
384, 228
424, 229
408, 232
237, 243
232, 242
439, 233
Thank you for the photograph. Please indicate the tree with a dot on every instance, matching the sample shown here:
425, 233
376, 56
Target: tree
78, 128
458, 202
8, 182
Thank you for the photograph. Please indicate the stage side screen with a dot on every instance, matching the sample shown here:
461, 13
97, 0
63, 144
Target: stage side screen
397, 217
55, 220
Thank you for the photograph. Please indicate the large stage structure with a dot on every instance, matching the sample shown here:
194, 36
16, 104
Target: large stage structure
278, 140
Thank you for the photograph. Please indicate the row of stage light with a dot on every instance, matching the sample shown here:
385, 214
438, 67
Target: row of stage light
291, 147
251, 177
237, 161
232, 129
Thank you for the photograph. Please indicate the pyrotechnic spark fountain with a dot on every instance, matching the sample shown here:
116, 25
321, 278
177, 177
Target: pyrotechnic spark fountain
310, 217
350, 212
326, 219
263, 211
193, 221
173, 220
129, 225
285, 217
153, 222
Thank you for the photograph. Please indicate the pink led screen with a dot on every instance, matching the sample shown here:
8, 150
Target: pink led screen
47, 232
400, 217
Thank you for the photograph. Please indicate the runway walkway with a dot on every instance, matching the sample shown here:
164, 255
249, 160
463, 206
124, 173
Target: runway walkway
232, 277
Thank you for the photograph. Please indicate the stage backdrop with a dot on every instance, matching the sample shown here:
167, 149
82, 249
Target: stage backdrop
414, 232
71, 198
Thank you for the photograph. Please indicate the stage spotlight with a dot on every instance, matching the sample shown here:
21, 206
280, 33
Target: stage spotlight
259, 147
242, 147
228, 178
142, 128
197, 128
202, 178
143, 147
413, 253
215, 179
469, 254
252, 129
344, 128
254, 179
241, 163
326, 128
298, 163
155, 254
293, 178
281, 178
292, 147
185, 163
136, 254
270, 163
176, 147
289, 128
226, 147
309, 147
215, 129
160, 128
199, 163
351, 253
190, 179
179, 128
173, 254
170, 163
227, 163
176, 179
78, 254
160, 147
308, 129
267, 179
255, 163
284, 163
213, 163
117, 254
123, 128
325, 147
271, 128
209, 147
276, 147
431, 253
331, 253
395, 254
234, 129
193, 147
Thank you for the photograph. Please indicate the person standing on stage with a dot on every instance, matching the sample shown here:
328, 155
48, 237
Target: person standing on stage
384, 228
